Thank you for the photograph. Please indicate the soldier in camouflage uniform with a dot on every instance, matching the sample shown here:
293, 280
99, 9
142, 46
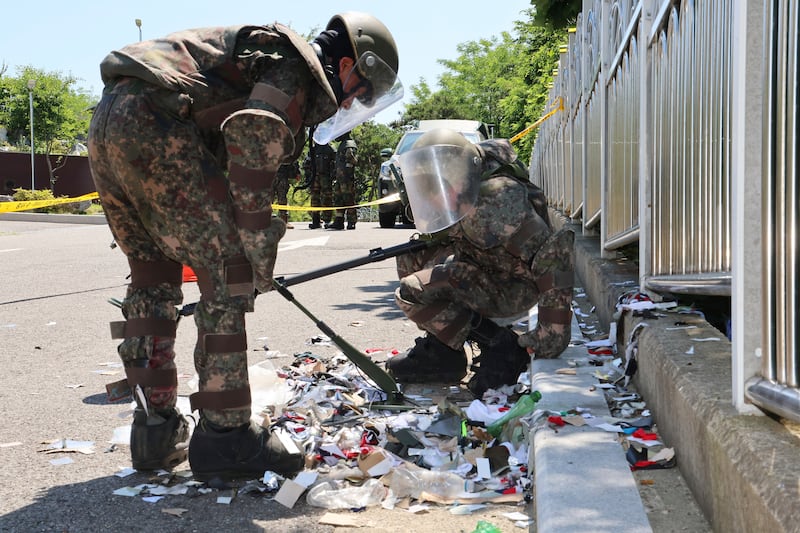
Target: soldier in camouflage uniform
498, 260
286, 173
184, 147
321, 175
344, 188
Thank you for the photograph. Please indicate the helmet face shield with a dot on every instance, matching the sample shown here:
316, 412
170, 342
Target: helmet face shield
442, 182
377, 88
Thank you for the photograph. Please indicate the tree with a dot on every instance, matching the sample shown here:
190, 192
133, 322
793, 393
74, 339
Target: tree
61, 113
371, 138
556, 14
500, 81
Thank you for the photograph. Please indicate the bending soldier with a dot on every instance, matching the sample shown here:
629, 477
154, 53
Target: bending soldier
497, 256
184, 147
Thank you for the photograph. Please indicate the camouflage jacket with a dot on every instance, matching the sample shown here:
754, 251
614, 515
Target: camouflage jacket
267, 72
509, 223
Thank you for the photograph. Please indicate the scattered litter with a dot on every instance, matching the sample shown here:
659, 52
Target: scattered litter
61, 461
125, 472
175, 511
10, 444
128, 491
467, 509
69, 445
339, 520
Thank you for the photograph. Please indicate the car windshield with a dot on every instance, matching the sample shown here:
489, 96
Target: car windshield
411, 137
408, 140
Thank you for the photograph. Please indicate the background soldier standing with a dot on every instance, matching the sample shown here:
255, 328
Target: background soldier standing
286, 173
320, 169
344, 188
184, 147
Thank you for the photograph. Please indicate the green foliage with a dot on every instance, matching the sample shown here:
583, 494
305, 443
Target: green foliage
556, 14
370, 138
61, 111
501, 81
26, 195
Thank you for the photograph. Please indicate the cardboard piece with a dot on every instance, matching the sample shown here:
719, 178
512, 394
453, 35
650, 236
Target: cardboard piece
375, 463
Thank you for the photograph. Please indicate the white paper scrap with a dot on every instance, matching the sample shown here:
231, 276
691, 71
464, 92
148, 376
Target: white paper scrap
125, 472
127, 491
484, 468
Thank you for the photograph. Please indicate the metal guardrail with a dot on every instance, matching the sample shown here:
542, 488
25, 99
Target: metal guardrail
781, 201
643, 154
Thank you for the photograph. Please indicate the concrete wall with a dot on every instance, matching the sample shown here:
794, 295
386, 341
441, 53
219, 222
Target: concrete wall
74, 178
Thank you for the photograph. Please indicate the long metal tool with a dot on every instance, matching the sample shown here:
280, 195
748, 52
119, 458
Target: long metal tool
374, 255
376, 373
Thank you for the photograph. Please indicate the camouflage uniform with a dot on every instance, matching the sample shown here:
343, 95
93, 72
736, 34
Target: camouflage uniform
286, 173
345, 186
498, 261
184, 146
321, 189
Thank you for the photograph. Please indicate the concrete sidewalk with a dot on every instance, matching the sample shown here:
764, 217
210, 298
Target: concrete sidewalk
743, 470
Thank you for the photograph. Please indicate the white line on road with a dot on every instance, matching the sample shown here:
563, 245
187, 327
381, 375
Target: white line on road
294, 245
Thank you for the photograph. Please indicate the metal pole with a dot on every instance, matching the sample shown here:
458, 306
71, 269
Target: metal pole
31, 85
139, 25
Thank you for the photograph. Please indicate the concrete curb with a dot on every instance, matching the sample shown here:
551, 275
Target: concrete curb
582, 480
55, 218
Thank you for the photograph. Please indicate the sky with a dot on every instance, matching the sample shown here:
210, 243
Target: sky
73, 37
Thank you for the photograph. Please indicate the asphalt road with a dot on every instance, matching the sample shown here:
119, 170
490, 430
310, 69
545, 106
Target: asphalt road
55, 346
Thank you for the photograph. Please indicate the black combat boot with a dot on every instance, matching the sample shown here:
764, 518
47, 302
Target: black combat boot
429, 361
338, 223
351, 225
314, 221
501, 360
243, 452
158, 441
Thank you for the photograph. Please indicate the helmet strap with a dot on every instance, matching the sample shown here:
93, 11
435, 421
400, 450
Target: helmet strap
331, 68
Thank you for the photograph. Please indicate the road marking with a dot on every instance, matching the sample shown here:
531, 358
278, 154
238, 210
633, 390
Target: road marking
10, 250
294, 245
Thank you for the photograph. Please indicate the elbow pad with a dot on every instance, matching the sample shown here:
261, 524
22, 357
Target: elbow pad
257, 139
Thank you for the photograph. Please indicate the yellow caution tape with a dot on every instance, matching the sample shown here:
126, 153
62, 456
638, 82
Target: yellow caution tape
388, 199
11, 207
558, 105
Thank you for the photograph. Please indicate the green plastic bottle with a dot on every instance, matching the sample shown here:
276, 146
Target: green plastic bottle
486, 527
526, 404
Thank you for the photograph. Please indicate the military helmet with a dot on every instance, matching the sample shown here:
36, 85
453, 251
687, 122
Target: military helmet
368, 34
444, 136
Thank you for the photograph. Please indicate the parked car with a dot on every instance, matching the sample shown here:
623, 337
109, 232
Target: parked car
390, 178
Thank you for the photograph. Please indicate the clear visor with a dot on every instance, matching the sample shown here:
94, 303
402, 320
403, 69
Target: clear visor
378, 89
442, 182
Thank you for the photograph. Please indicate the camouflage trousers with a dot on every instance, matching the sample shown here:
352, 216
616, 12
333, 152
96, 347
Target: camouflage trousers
153, 173
321, 193
344, 194
439, 292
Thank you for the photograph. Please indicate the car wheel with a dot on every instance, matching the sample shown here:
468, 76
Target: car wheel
386, 220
